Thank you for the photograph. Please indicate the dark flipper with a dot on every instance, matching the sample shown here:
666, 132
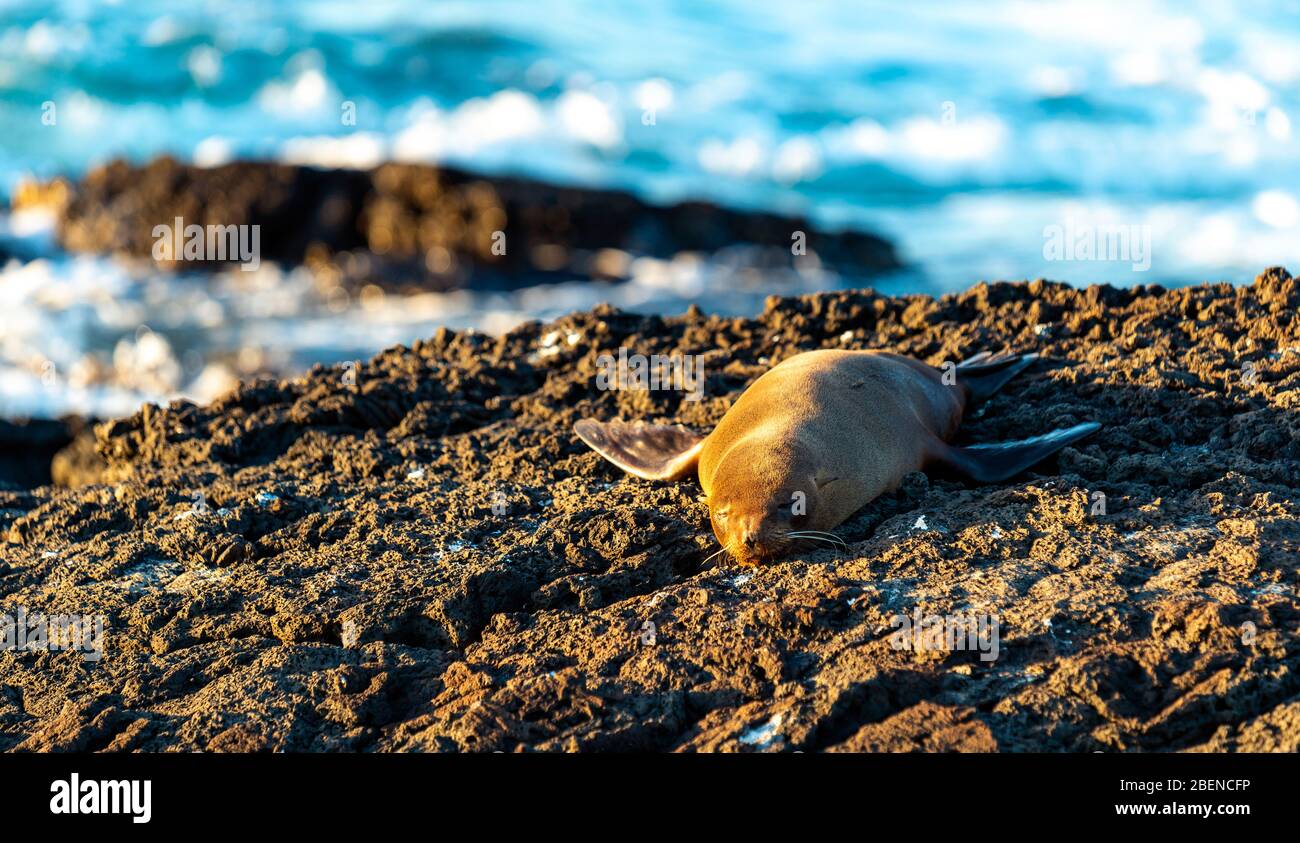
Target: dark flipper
985, 374
651, 451
991, 463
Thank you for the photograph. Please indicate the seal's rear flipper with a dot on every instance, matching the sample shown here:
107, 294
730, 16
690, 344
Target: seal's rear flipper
985, 374
651, 451
991, 463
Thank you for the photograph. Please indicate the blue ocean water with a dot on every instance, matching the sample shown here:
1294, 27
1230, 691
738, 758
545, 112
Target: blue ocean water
988, 140
960, 129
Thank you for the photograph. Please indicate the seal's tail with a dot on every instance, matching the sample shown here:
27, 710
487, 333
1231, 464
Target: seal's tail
1003, 460
984, 374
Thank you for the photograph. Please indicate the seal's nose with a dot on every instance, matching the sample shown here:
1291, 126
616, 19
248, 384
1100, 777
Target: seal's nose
749, 538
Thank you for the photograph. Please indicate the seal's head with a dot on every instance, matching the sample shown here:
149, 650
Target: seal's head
766, 508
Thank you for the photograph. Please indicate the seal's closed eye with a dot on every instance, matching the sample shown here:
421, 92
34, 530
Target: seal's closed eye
650, 451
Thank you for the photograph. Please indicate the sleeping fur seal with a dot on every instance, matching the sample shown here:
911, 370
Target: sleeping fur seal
818, 437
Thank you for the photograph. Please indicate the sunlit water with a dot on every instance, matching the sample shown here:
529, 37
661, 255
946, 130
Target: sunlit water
964, 132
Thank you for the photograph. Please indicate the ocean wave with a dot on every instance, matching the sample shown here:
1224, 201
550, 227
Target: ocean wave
1066, 98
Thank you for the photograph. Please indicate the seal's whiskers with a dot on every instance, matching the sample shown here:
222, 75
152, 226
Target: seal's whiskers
713, 555
815, 539
822, 533
816, 535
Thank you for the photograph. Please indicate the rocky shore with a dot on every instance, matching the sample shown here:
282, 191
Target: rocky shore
410, 227
419, 555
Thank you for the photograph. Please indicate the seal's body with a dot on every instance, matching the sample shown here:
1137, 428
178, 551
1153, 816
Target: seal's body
848, 425
820, 436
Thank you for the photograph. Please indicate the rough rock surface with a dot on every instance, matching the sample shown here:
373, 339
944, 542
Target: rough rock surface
428, 559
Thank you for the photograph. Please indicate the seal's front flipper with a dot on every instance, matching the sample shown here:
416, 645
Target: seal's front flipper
985, 374
991, 463
651, 451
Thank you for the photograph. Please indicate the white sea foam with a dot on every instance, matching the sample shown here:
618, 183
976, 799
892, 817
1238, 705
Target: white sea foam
99, 336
